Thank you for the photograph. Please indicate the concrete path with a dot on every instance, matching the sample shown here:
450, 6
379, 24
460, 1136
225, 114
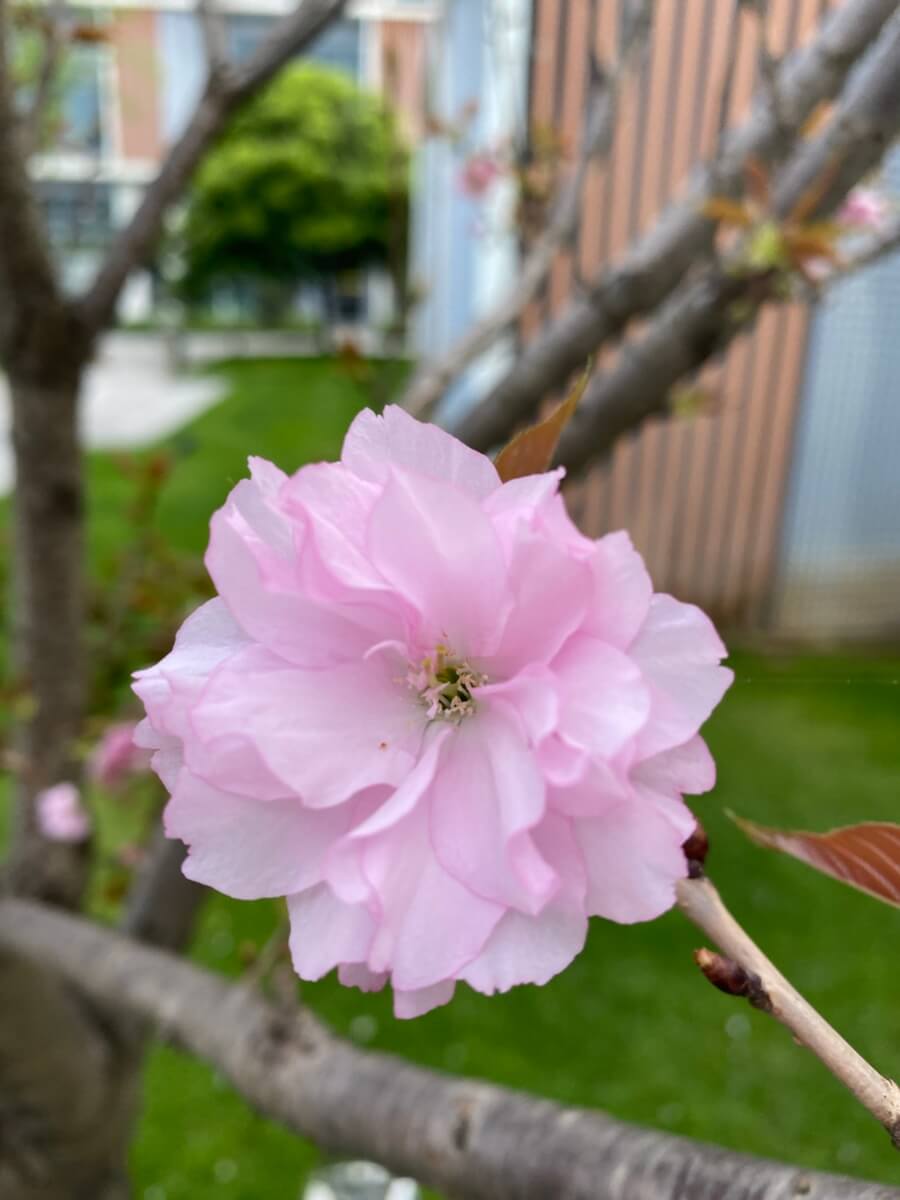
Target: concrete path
132, 398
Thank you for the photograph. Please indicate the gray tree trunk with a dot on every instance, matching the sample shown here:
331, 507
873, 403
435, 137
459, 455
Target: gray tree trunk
48, 601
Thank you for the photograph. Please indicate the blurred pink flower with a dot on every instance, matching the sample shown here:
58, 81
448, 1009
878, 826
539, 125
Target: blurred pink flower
61, 815
427, 710
116, 756
478, 173
866, 208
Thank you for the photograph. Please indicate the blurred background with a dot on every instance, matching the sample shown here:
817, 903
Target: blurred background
359, 217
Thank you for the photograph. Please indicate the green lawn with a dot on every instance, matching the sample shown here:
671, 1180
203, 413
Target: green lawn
631, 1027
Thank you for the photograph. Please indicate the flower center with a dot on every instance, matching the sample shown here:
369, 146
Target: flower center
445, 685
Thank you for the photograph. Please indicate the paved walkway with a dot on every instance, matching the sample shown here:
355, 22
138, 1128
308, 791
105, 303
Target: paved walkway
132, 398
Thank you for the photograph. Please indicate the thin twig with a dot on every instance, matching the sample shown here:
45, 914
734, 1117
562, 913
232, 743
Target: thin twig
215, 35
763, 984
873, 248
768, 66
54, 41
270, 954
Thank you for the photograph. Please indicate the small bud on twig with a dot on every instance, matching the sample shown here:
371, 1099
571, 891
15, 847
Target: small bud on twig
730, 977
696, 849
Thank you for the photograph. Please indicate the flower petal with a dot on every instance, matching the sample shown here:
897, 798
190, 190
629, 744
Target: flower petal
678, 651
621, 590
603, 699
359, 976
551, 591
430, 924
373, 444
423, 1000
252, 561
432, 542
332, 506
246, 848
529, 698
485, 798
326, 932
522, 499
168, 757
532, 949
208, 637
634, 859
602, 786
688, 768
324, 734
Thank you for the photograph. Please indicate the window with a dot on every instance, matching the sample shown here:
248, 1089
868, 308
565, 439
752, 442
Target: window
78, 213
246, 34
76, 112
338, 46
81, 121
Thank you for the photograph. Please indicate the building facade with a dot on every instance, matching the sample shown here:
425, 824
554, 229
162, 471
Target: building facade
128, 94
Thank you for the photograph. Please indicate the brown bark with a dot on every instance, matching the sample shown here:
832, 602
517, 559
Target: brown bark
469, 1140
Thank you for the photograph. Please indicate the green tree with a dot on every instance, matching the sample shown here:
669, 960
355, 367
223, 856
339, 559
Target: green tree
310, 180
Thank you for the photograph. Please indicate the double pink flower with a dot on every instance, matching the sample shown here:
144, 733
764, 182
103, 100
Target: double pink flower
427, 710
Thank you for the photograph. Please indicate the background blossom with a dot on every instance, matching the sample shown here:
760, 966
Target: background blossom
61, 815
115, 756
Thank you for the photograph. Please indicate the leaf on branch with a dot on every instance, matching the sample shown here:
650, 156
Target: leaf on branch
732, 212
865, 856
531, 451
756, 182
816, 119
89, 35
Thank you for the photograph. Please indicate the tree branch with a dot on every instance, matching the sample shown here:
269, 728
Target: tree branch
599, 122
701, 317
766, 988
215, 40
225, 91
470, 1140
871, 248
658, 262
54, 40
162, 904
27, 283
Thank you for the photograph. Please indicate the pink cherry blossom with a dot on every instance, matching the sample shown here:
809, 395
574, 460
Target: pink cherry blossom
478, 173
115, 756
425, 708
61, 815
866, 208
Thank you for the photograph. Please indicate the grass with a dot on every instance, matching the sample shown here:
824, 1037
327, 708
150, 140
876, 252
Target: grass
630, 1027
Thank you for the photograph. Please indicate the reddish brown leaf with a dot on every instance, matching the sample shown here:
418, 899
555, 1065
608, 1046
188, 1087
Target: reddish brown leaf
816, 119
89, 34
531, 451
866, 856
721, 208
756, 181
810, 200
